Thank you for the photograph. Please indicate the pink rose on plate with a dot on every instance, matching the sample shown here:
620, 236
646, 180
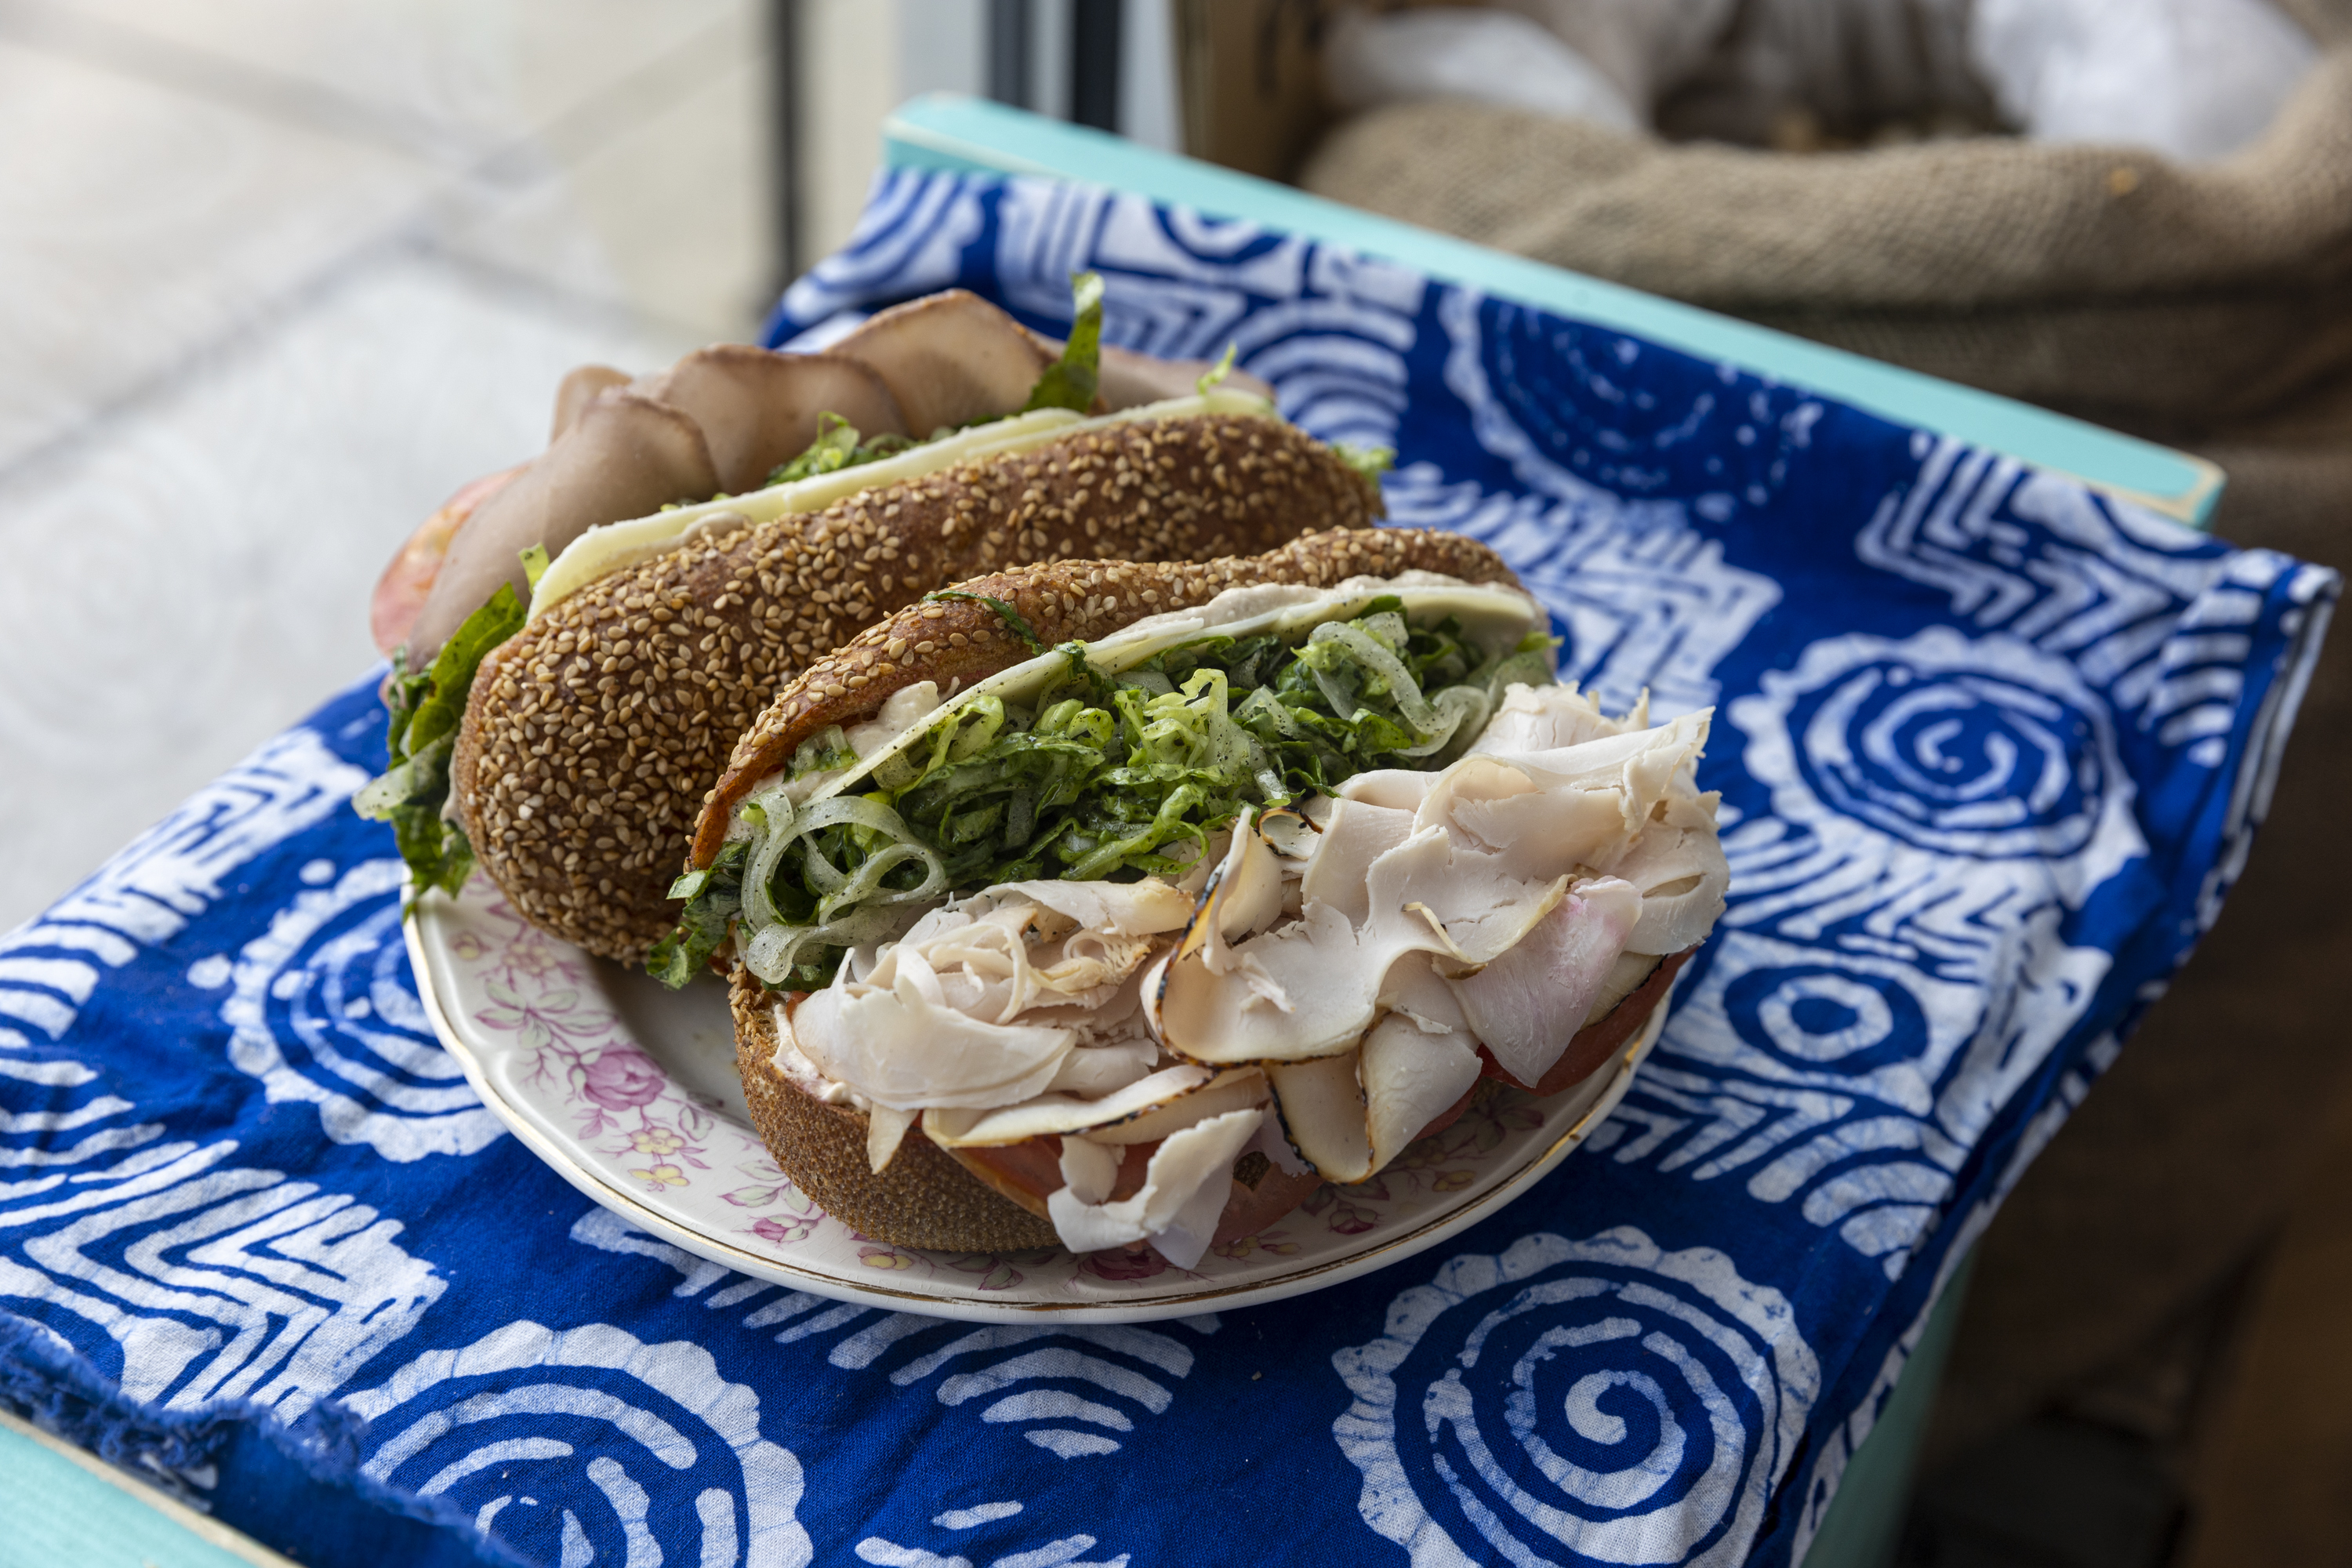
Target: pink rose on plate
1140, 1264
623, 1079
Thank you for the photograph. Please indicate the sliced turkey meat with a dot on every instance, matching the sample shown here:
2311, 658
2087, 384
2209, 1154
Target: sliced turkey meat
1185, 1188
1352, 963
1526, 1004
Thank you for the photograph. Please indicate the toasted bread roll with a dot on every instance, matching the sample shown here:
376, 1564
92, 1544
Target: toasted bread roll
923, 1198
991, 1024
591, 738
1140, 1044
992, 1199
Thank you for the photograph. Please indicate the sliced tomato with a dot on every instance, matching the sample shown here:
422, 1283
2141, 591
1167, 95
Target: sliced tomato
401, 592
1252, 1208
1028, 1170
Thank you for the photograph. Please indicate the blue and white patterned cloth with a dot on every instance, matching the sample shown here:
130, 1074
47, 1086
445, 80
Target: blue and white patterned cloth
1992, 748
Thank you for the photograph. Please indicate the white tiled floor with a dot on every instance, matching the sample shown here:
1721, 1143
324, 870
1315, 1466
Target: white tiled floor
275, 277
456, 79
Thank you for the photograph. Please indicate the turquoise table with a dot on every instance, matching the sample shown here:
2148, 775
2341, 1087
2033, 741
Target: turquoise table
63, 1508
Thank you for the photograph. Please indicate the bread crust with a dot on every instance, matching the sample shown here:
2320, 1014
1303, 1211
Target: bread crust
591, 737
922, 1199
964, 641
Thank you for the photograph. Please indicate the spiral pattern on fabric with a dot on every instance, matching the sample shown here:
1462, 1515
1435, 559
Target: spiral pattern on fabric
588, 1444
1985, 748
1589, 1402
324, 1010
1818, 1017
1584, 413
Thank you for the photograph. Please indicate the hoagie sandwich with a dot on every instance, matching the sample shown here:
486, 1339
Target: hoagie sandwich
1115, 904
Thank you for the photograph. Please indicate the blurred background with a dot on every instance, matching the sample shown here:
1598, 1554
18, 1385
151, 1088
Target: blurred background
277, 275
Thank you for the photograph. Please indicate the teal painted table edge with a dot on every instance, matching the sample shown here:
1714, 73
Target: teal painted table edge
1864, 1521
946, 131
62, 1507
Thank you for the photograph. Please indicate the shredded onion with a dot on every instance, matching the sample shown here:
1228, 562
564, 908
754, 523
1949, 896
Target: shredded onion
774, 950
768, 843
770, 956
1369, 648
1461, 710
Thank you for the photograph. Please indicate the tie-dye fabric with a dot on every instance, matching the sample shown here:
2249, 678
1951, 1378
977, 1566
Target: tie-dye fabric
1992, 748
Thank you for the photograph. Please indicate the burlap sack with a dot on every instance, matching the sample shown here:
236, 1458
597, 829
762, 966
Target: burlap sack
2210, 307
2181, 301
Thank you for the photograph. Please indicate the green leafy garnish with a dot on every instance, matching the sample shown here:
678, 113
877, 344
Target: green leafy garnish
837, 447
426, 708
1216, 373
713, 896
534, 564
1369, 461
1015, 621
1071, 381
1106, 779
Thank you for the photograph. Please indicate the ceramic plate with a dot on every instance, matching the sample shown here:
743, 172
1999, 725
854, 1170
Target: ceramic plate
629, 1091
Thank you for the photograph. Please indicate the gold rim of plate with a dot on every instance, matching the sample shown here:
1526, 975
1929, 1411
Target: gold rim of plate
1379, 1246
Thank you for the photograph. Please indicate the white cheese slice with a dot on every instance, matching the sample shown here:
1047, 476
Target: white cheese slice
616, 546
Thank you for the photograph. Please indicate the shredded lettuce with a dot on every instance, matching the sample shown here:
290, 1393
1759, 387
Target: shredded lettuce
1071, 381
1106, 779
838, 445
425, 708
1369, 461
713, 897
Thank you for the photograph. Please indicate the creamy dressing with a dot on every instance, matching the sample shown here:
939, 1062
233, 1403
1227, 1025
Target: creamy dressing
908, 706
805, 1074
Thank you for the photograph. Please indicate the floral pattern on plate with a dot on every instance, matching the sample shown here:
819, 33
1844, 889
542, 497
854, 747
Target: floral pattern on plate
630, 1092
